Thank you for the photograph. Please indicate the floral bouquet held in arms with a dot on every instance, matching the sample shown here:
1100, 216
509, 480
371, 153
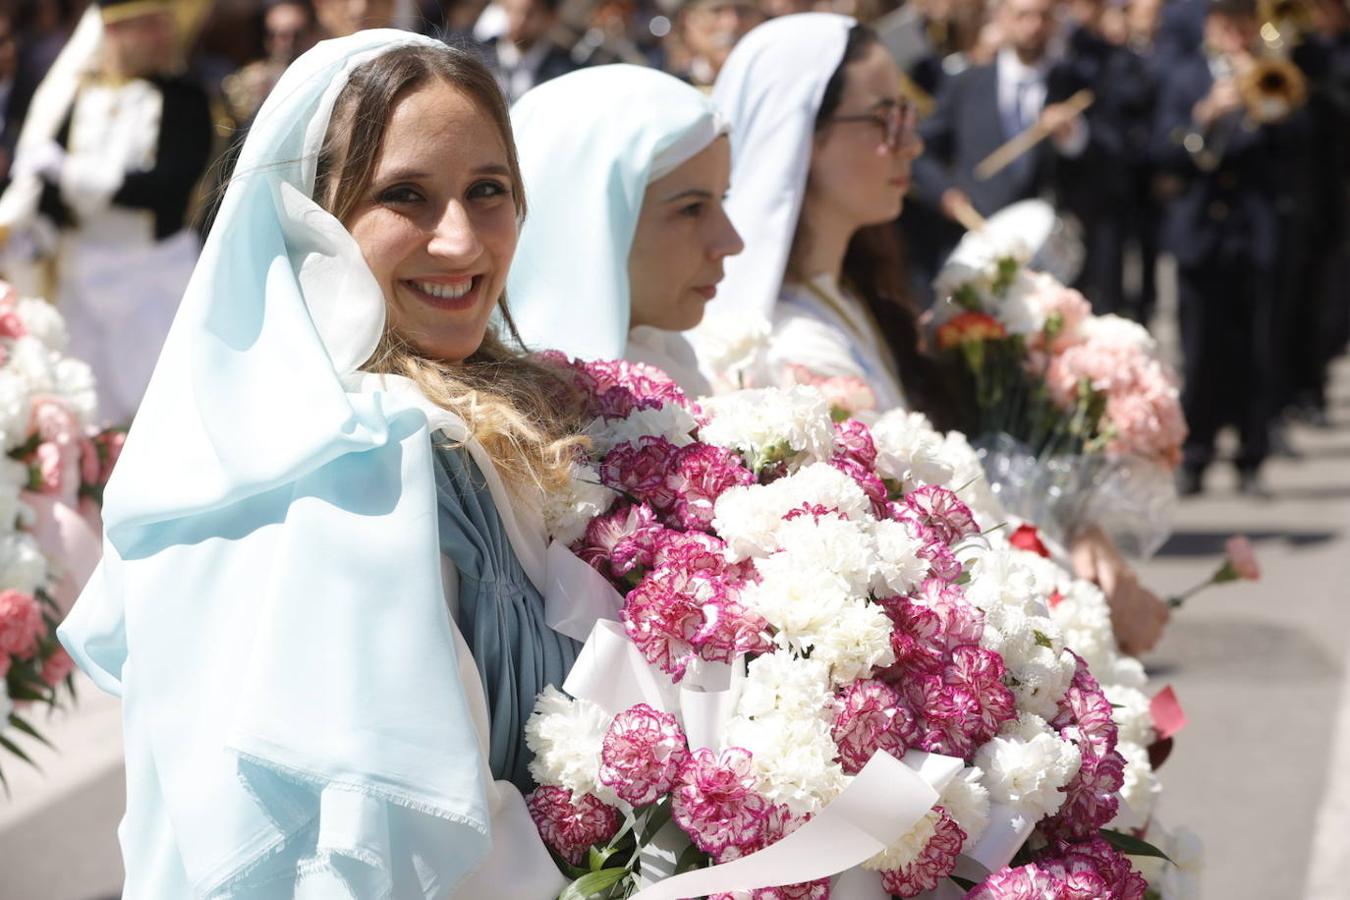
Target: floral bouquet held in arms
806, 670
1077, 416
51, 478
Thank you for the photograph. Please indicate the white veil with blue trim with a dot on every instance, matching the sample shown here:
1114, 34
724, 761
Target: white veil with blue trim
270, 604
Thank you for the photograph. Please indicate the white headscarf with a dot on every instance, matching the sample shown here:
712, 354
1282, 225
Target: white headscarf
270, 604
590, 142
771, 88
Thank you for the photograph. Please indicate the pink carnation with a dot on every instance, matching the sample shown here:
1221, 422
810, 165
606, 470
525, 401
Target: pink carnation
699, 474
110, 443
941, 510
979, 673
1096, 866
810, 890
1091, 798
620, 387
872, 717
918, 638
1085, 714
1027, 882
1242, 559
663, 616
868, 480
1063, 309
936, 861
853, 440
962, 621
56, 667
716, 803
642, 754
11, 323
21, 624
731, 628
848, 394
640, 471
618, 541
571, 825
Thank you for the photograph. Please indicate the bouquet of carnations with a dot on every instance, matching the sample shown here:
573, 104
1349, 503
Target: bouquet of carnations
1078, 417
51, 476
815, 670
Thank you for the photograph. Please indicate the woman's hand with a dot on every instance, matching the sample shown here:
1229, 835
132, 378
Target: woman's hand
1138, 616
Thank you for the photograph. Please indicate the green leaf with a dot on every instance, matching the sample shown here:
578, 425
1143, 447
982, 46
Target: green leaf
593, 884
598, 857
657, 817
29, 730
1133, 846
692, 858
1043, 640
17, 751
964, 884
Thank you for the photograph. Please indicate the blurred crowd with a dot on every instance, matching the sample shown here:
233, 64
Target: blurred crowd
1214, 133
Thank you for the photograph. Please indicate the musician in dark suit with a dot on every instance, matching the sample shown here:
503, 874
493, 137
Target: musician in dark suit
981, 108
1102, 192
1222, 226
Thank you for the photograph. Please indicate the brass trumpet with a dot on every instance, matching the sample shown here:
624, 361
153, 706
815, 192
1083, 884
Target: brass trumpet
1272, 88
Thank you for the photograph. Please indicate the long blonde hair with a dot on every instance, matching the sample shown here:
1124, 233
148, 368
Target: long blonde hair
524, 414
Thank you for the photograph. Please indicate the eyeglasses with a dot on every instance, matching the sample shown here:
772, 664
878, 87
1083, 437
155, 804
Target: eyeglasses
897, 121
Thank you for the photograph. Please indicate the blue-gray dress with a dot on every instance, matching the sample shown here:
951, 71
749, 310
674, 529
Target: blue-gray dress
501, 613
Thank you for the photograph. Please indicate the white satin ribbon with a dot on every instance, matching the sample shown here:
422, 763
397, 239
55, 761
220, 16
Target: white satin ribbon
883, 802
1003, 837
575, 595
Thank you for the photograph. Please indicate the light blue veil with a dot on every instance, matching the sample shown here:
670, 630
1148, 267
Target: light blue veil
270, 605
590, 142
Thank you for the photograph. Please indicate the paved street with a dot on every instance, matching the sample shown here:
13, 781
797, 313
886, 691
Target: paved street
1259, 669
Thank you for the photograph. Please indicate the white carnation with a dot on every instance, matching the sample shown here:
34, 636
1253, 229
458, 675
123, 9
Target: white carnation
30, 359
799, 605
897, 568
1018, 309
794, 759
44, 323
970, 482
1131, 712
831, 543
1115, 330
907, 849
750, 517
967, 801
566, 736
75, 382
1128, 672
771, 424
1027, 765
15, 409
1085, 621
779, 683
854, 642
910, 451
567, 512
22, 565
670, 421
731, 344
1141, 788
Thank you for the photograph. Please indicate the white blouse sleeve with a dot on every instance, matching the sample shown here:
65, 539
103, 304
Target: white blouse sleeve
519, 866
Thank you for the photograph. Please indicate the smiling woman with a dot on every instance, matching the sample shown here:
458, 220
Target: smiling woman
319, 597
420, 166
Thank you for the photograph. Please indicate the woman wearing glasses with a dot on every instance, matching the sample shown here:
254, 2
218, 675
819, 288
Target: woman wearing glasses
822, 146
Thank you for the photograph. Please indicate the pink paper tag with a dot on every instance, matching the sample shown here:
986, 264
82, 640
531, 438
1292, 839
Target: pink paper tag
1168, 717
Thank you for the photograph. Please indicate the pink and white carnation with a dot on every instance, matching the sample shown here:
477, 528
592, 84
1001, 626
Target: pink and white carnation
643, 752
571, 824
871, 716
716, 803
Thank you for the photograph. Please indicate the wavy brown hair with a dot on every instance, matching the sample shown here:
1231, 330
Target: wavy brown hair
874, 269
523, 413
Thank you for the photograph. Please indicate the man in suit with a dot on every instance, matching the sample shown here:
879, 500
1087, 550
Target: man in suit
982, 107
1102, 192
527, 54
1222, 226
